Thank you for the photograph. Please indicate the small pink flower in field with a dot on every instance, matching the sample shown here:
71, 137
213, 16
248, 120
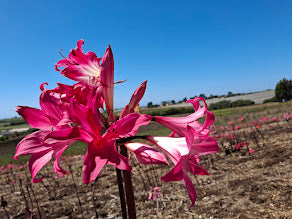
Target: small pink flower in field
240, 119
244, 124
274, 119
288, 116
154, 193
251, 151
1, 168
255, 122
264, 119
239, 146
236, 127
221, 128
230, 122
228, 135
10, 166
218, 136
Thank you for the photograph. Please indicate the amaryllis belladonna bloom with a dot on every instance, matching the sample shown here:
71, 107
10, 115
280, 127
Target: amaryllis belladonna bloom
73, 112
48, 119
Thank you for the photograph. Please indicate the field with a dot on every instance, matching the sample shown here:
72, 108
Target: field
242, 183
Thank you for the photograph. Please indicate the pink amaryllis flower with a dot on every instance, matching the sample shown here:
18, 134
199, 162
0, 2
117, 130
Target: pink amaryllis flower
101, 148
87, 69
184, 153
51, 117
81, 67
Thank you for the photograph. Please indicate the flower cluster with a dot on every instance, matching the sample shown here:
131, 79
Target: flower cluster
71, 113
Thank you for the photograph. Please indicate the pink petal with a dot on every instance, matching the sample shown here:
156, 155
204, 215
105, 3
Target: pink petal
146, 154
79, 57
35, 117
190, 188
128, 126
119, 161
74, 133
37, 161
135, 99
175, 174
30, 144
190, 163
179, 124
107, 78
99, 154
79, 45
204, 145
86, 74
174, 147
50, 107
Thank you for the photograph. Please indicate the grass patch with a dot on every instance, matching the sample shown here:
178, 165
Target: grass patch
76, 148
8, 158
8, 127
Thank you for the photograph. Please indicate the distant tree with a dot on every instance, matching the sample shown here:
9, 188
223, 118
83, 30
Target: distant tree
150, 105
164, 103
172, 102
185, 99
203, 95
230, 94
283, 90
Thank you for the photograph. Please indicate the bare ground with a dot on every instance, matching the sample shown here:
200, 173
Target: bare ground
245, 186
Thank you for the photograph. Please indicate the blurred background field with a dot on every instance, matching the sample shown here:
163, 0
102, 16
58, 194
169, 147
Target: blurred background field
250, 177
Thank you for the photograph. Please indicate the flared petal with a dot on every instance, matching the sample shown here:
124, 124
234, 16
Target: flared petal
179, 124
37, 161
204, 145
101, 153
50, 106
128, 126
190, 188
36, 118
107, 78
31, 144
146, 154
191, 164
174, 147
175, 174
59, 148
74, 133
135, 99
81, 67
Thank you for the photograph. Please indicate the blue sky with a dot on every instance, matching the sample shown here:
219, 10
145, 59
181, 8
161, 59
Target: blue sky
183, 48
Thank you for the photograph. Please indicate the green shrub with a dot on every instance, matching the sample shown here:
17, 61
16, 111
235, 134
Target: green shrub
271, 100
283, 90
237, 103
169, 111
220, 105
